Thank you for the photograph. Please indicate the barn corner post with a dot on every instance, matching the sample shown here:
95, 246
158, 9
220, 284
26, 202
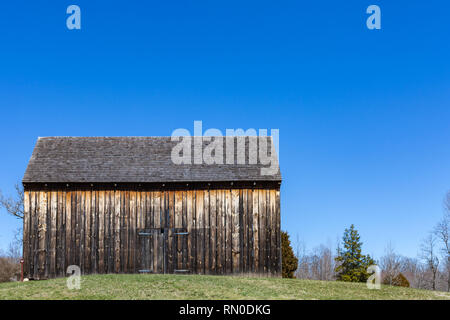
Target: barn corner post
138, 213
25, 232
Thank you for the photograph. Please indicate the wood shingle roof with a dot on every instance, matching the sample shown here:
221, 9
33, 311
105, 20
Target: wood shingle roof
132, 160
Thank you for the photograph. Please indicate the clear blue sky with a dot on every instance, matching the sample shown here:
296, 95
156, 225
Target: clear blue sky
364, 116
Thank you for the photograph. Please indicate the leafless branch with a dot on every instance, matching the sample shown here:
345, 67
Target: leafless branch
442, 232
13, 206
430, 258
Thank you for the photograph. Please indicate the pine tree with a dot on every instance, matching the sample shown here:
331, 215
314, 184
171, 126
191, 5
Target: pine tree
351, 264
289, 261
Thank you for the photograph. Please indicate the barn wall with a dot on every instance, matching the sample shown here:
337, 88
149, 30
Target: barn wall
117, 231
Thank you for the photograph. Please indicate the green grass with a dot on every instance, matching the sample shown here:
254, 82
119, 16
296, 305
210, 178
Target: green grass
204, 287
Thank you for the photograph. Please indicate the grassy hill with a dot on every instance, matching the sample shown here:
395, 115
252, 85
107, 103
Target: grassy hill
204, 287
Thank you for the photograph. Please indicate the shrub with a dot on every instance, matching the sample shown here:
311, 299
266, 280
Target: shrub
9, 269
288, 260
400, 281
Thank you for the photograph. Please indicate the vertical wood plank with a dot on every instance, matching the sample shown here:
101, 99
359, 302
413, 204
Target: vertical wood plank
125, 232
262, 231
185, 228
26, 232
138, 210
165, 212
48, 234
206, 232
153, 209
106, 232
61, 238
235, 231
133, 207
221, 245
101, 231
200, 215
155, 202
117, 231
95, 208
161, 246
122, 230
213, 229
170, 237
140, 201
73, 230
81, 229
243, 230
33, 232
148, 210
189, 224
88, 236
68, 232
278, 226
76, 219
163, 209
221, 210
268, 233
42, 232
228, 229
178, 225
251, 254
35, 237
256, 230
195, 233
53, 230
273, 242
110, 221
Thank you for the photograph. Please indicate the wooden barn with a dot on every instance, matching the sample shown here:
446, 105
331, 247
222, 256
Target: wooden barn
121, 205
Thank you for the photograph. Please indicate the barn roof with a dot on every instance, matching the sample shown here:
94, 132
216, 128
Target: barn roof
131, 160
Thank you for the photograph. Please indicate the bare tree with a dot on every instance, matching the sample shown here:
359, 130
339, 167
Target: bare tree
447, 272
303, 264
15, 247
13, 206
442, 232
9, 260
428, 254
318, 264
413, 270
390, 264
323, 261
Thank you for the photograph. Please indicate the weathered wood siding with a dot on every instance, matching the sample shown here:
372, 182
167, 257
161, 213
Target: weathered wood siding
232, 231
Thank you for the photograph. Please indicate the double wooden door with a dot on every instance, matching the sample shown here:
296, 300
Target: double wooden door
163, 250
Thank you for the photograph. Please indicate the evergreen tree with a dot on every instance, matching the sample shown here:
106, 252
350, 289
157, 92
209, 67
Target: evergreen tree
351, 264
289, 261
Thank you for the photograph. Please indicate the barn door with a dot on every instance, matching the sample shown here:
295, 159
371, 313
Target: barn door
177, 251
151, 250
163, 250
